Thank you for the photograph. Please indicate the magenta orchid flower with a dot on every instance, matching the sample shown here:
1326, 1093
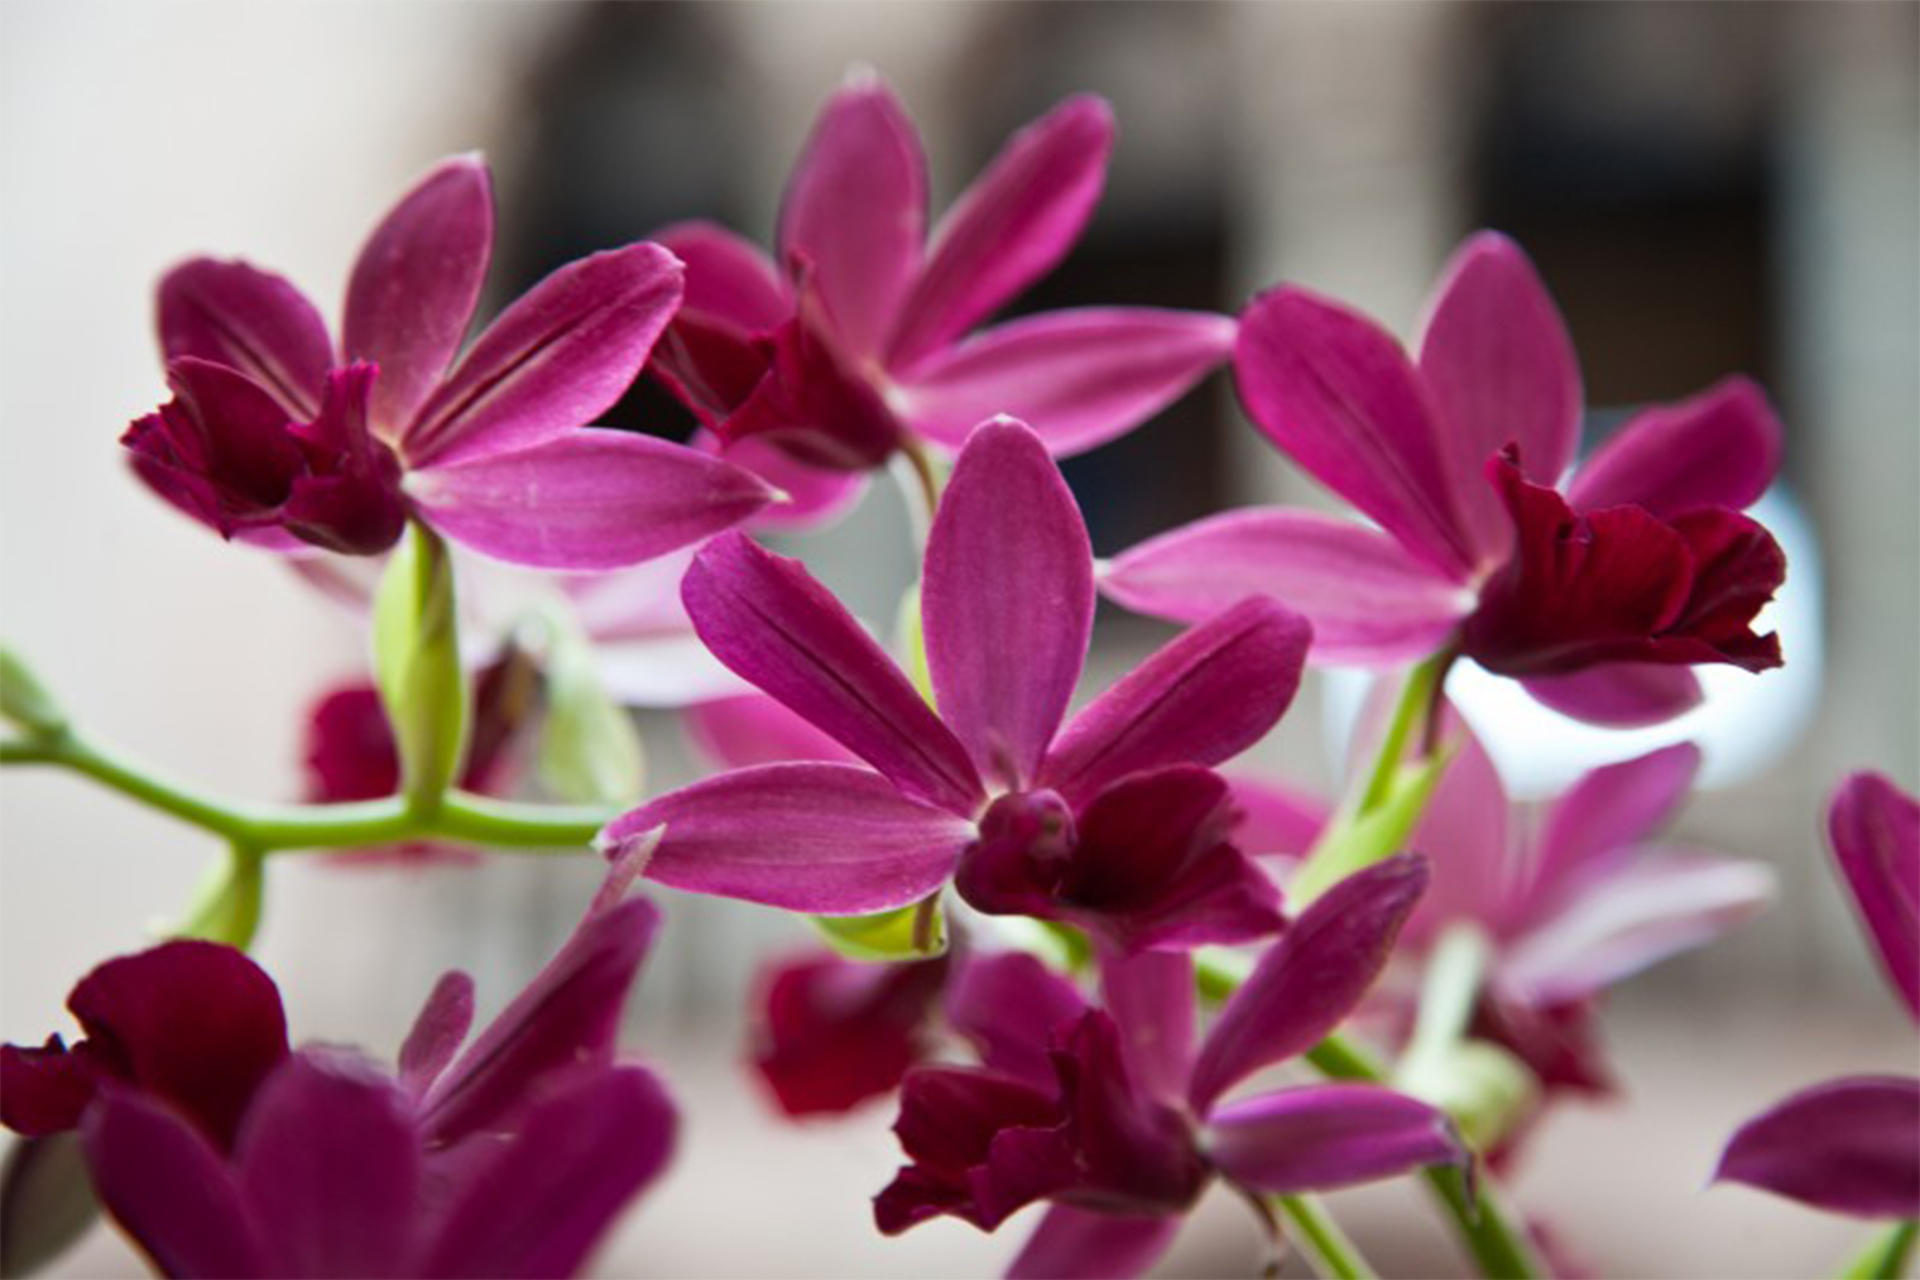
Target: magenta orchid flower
1848, 1145
278, 437
1598, 597
1113, 822
858, 338
1115, 1118
223, 1152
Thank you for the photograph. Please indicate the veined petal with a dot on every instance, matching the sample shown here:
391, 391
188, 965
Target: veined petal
169, 1189
1336, 393
1619, 695
773, 624
1077, 377
1875, 833
1006, 600
1084, 1244
1201, 699
439, 1028
1307, 983
1320, 1137
415, 284
594, 499
832, 839
1009, 1007
1660, 905
727, 275
1009, 227
1496, 358
1719, 449
1593, 827
1846, 1145
856, 208
751, 729
1369, 600
252, 321
553, 361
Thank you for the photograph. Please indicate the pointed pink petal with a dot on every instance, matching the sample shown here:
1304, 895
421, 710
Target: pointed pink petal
1846, 1145
1370, 602
1201, 699
1078, 377
1719, 449
1336, 393
727, 275
816, 496
1150, 996
329, 1164
169, 1189
1500, 367
415, 284
1276, 819
553, 1189
767, 619
1656, 907
1084, 1244
1874, 829
1619, 695
1307, 983
595, 499
1009, 1007
750, 729
832, 839
554, 360
1009, 571
856, 208
1320, 1137
249, 320
437, 1032
1464, 834
1009, 227
1593, 827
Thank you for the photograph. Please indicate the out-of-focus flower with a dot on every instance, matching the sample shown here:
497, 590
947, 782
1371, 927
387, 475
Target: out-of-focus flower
1599, 597
1113, 823
1113, 1116
1849, 1145
277, 437
858, 336
834, 1032
221, 1152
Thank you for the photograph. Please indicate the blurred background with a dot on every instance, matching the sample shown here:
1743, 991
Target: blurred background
1705, 188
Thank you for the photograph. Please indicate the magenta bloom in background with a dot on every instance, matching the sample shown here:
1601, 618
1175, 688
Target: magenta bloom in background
222, 1152
1599, 596
1112, 822
860, 334
278, 437
1852, 1145
830, 1033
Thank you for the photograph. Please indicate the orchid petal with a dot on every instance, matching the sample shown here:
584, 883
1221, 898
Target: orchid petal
1370, 602
1077, 377
1337, 394
835, 1032
545, 1198
555, 360
253, 322
772, 623
1009, 571
1719, 449
1009, 1007
1201, 699
414, 287
1845, 1145
329, 1164
815, 496
1009, 227
1496, 358
1309, 981
1619, 695
1875, 833
1085, 1244
169, 1189
727, 275
1276, 819
831, 839
856, 209
1594, 825
595, 499
1150, 996
1321, 1137
1464, 834
437, 1032
751, 729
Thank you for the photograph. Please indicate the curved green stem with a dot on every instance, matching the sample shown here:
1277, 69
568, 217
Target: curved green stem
1331, 1251
1886, 1255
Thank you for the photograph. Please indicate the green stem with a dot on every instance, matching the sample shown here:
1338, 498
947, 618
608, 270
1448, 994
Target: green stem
1886, 1255
1332, 1253
1417, 707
